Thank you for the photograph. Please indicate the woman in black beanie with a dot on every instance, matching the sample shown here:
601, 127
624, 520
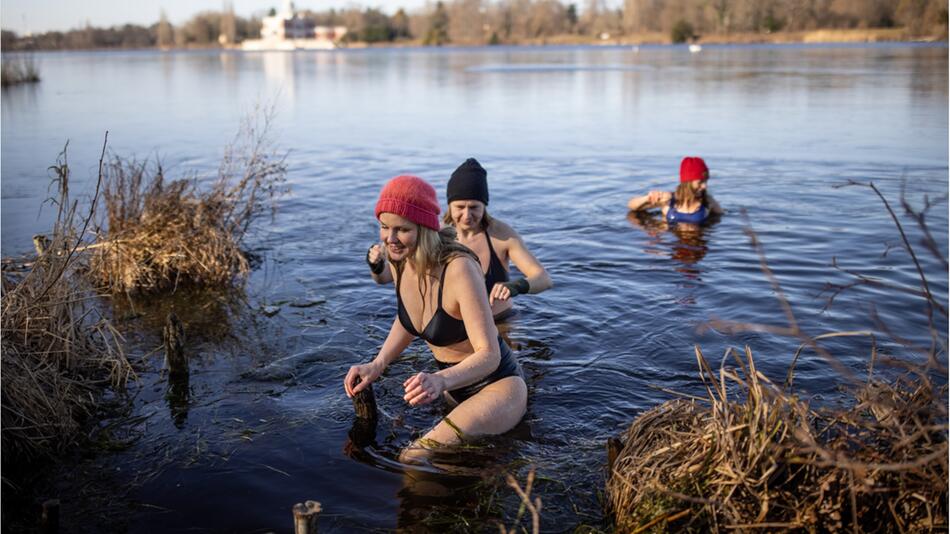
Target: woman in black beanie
494, 242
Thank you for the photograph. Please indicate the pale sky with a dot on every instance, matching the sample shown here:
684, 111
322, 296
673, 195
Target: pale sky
39, 16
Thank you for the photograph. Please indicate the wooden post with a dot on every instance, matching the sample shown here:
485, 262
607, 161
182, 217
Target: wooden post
363, 431
364, 403
174, 334
50, 519
305, 517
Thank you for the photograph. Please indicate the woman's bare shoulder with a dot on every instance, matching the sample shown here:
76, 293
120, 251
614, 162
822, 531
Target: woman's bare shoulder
501, 230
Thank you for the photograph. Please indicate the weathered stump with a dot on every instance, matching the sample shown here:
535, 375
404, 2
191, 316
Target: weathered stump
305, 517
174, 335
363, 431
364, 403
49, 522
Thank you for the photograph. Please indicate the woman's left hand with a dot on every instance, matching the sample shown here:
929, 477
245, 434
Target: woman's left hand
499, 292
423, 388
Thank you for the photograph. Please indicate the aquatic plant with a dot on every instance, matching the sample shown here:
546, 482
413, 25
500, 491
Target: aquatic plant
161, 233
58, 352
18, 68
752, 454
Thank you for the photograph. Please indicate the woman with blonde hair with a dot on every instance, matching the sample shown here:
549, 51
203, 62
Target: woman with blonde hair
690, 204
493, 242
441, 298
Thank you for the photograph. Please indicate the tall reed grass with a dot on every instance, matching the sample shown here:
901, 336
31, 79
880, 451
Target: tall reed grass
59, 352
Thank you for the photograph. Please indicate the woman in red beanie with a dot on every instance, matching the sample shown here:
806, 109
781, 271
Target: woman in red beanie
441, 298
494, 242
691, 203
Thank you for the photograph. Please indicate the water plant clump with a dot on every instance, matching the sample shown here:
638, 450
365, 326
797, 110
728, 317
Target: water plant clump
18, 68
58, 352
760, 457
161, 234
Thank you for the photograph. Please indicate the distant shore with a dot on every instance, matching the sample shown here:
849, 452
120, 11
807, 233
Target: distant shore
872, 35
826, 36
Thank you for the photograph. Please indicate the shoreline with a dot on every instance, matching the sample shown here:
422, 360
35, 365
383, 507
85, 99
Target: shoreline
812, 37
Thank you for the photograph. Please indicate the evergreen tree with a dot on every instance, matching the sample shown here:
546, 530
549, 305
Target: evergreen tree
438, 33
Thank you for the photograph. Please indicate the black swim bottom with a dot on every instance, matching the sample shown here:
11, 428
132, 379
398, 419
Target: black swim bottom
508, 366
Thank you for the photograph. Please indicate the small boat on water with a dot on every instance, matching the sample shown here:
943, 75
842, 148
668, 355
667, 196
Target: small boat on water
694, 48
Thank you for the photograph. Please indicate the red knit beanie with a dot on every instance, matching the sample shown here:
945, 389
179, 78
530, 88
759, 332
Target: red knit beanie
410, 197
692, 169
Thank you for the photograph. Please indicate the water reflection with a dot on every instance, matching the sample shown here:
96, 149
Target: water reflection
688, 250
178, 395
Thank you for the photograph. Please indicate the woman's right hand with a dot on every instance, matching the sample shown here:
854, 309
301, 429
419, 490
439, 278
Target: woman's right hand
360, 376
375, 253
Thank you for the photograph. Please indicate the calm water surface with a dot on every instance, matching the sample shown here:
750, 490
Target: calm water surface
567, 135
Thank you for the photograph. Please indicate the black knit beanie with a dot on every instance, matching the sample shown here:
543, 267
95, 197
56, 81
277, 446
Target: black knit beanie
468, 182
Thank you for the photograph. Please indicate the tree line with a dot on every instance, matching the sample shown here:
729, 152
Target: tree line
475, 22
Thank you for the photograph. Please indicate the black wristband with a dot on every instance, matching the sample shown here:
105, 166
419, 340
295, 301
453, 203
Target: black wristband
377, 267
518, 287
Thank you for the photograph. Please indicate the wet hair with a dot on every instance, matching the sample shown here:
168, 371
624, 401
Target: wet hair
434, 249
685, 190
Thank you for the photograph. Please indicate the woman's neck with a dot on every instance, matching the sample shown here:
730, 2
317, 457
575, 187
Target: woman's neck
468, 234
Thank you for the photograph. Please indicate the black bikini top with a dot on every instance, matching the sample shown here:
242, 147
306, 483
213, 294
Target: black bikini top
496, 270
443, 329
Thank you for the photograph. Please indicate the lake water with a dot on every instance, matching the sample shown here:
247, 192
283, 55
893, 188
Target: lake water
567, 135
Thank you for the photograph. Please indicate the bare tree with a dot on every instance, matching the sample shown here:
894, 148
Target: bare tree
228, 30
164, 33
466, 22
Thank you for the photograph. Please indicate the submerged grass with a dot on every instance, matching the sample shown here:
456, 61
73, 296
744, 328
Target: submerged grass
752, 455
161, 234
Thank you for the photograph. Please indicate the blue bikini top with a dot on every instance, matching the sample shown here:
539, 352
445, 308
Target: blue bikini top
697, 217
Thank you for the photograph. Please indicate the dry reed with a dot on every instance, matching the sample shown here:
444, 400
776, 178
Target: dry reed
58, 352
752, 455
761, 458
164, 233
18, 68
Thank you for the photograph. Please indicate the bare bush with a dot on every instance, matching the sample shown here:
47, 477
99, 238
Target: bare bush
162, 233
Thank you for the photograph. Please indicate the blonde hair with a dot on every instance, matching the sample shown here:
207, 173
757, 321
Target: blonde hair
433, 249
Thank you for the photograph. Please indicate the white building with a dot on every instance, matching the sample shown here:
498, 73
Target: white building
286, 30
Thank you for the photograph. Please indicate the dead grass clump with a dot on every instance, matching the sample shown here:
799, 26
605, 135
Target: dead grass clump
165, 233
58, 352
18, 68
752, 456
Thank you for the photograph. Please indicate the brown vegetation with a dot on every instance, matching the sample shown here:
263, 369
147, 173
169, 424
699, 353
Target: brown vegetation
58, 352
760, 457
16, 69
753, 455
165, 233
